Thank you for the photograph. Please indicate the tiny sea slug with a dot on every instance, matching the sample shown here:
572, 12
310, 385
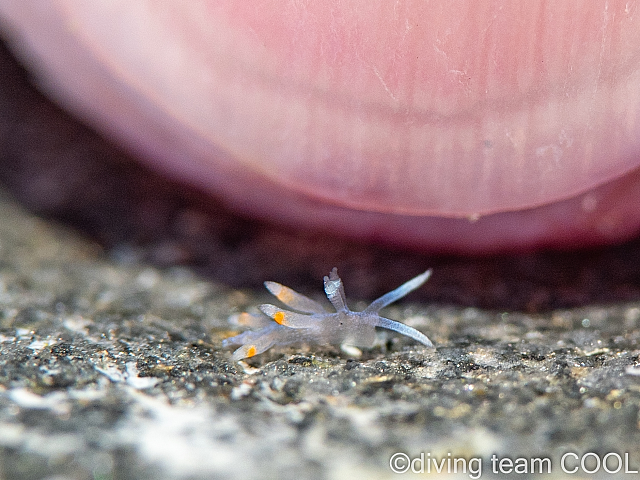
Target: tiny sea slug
311, 323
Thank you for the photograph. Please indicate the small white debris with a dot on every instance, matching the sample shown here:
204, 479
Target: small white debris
632, 370
350, 350
139, 383
130, 376
76, 324
38, 345
56, 401
241, 391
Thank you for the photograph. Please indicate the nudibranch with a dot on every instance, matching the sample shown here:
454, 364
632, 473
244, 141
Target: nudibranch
470, 126
311, 323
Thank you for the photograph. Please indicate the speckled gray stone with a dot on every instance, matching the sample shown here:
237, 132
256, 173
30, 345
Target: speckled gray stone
112, 369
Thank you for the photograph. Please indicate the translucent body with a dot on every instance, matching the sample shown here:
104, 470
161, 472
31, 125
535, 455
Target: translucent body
311, 323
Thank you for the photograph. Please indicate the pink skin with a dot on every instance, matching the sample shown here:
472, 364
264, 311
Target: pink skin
468, 126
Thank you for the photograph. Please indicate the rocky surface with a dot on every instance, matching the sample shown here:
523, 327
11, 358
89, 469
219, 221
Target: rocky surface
115, 290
